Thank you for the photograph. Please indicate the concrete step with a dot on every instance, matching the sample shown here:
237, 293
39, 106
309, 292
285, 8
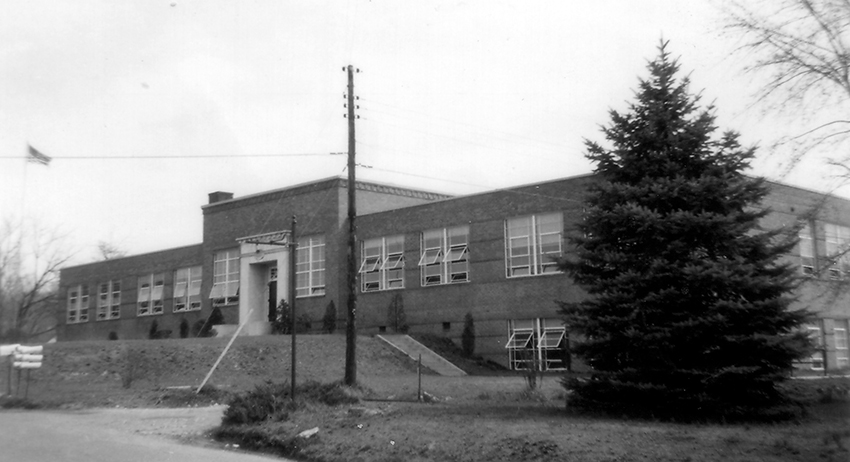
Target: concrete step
430, 359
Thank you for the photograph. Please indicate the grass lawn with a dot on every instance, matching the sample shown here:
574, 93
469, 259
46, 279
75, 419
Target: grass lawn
475, 418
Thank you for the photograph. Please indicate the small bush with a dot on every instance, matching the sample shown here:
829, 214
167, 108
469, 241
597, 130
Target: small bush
153, 332
271, 402
467, 338
329, 319
10, 402
203, 327
113, 336
184, 328
267, 401
282, 324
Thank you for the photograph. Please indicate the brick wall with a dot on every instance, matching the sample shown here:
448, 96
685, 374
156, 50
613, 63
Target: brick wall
127, 270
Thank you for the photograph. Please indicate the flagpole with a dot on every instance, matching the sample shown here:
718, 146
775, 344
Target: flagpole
24, 193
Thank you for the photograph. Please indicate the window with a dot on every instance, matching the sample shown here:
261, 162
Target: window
816, 359
532, 244
539, 344
310, 267
109, 300
382, 264
807, 249
225, 288
842, 358
187, 289
445, 256
78, 304
150, 299
837, 244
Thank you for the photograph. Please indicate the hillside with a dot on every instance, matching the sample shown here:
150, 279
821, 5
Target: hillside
98, 373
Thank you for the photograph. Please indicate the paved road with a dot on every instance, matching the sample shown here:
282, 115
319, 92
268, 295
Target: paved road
108, 435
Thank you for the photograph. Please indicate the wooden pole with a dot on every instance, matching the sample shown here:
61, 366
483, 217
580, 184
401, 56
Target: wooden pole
351, 273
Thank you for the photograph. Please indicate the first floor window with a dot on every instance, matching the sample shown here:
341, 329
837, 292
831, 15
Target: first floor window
187, 289
382, 264
310, 267
842, 358
78, 304
225, 288
532, 244
817, 358
109, 300
150, 296
538, 344
444, 257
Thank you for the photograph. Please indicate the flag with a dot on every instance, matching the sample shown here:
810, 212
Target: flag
34, 156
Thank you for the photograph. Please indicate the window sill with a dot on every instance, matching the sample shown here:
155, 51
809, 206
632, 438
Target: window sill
445, 284
297, 297
381, 290
147, 315
535, 275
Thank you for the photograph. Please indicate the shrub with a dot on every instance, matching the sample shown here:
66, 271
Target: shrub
467, 338
396, 318
152, 332
282, 324
267, 401
203, 328
270, 401
329, 319
184, 328
113, 336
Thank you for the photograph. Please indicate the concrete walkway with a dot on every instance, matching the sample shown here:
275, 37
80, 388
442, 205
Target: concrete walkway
431, 360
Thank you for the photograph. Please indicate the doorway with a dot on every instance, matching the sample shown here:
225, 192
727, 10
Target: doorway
272, 291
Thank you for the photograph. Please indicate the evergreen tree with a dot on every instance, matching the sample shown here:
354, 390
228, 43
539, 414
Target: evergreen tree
467, 337
329, 319
688, 308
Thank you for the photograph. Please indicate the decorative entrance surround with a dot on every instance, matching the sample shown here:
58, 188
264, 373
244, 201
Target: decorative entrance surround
259, 254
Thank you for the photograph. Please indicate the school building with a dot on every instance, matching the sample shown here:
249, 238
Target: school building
425, 261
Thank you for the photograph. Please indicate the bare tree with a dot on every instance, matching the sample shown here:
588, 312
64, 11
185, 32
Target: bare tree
804, 48
109, 251
30, 259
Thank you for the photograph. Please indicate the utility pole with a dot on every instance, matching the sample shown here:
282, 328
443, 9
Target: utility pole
351, 273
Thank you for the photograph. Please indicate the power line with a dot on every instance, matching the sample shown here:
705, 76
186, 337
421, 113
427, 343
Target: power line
204, 156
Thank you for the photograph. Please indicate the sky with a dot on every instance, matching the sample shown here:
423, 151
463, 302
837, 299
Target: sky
457, 97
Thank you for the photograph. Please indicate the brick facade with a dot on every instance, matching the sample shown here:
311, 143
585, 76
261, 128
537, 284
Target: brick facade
496, 301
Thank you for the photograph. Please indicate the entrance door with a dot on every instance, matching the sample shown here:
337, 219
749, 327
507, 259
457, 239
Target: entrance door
272, 291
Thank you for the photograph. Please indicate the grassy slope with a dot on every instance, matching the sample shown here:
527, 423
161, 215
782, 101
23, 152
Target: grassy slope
489, 417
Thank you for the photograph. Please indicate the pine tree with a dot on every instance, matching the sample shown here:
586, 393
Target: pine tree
688, 308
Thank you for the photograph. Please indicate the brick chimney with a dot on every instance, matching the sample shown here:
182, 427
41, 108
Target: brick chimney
219, 196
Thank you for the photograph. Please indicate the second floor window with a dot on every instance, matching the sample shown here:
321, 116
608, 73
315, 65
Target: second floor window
382, 264
837, 250
150, 299
444, 256
225, 288
109, 300
78, 304
187, 289
310, 267
807, 249
532, 244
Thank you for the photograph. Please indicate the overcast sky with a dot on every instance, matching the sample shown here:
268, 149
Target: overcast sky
455, 96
